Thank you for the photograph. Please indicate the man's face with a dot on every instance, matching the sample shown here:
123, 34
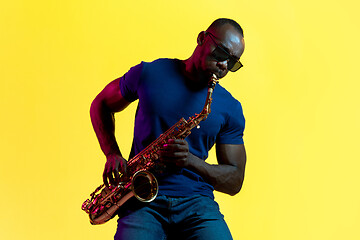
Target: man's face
228, 38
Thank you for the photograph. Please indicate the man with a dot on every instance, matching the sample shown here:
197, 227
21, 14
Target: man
169, 89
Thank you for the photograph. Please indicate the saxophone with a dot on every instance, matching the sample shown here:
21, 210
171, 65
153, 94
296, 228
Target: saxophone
139, 181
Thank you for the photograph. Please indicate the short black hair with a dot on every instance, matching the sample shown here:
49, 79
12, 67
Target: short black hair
222, 21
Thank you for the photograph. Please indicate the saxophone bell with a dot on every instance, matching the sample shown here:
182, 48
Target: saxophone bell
144, 186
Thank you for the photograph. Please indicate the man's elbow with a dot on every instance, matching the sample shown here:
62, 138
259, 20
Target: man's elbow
98, 106
95, 107
236, 189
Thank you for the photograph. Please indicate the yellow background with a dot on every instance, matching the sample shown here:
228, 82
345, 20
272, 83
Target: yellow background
299, 90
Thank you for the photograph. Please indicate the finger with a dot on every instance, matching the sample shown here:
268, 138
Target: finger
180, 162
173, 157
111, 178
171, 154
175, 147
117, 177
123, 167
105, 179
177, 141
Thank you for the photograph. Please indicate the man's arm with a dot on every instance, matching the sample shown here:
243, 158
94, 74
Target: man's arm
102, 110
227, 176
234, 157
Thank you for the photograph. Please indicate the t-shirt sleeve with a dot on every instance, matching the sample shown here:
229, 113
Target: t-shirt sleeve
130, 82
233, 130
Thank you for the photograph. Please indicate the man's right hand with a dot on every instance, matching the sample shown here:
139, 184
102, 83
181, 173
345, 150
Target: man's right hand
114, 166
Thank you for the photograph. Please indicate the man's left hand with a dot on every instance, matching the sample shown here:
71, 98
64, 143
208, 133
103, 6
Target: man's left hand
175, 151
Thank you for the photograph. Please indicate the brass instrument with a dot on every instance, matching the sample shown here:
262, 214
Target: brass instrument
139, 181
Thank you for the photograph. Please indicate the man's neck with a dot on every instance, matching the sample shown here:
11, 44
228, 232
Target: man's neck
192, 73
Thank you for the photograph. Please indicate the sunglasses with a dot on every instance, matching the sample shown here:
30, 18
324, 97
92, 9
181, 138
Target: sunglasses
220, 55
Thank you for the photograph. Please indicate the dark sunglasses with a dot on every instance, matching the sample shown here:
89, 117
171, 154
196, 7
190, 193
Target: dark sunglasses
220, 55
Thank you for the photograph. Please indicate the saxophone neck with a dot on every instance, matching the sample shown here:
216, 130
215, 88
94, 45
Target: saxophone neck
211, 85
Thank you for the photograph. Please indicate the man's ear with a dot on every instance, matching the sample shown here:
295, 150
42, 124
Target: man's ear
201, 38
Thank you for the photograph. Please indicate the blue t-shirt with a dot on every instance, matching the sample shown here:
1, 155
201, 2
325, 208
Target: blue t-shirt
164, 98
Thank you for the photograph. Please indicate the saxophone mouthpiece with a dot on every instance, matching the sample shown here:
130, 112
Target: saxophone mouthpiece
213, 81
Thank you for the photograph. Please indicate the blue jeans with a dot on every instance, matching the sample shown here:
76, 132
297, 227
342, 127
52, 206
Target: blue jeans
197, 217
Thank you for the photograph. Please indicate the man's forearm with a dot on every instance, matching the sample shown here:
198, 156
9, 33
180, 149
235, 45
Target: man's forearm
104, 126
224, 178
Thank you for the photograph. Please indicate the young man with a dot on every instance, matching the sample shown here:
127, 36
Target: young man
167, 90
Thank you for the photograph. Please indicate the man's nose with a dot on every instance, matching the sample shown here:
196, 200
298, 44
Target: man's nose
222, 65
